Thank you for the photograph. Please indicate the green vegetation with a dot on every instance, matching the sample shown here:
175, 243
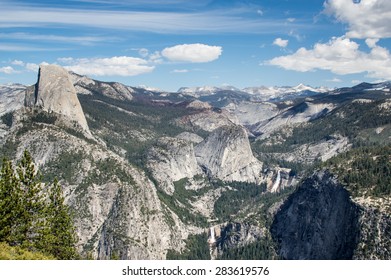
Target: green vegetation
179, 202
8, 252
132, 126
238, 197
8, 149
32, 216
262, 216
356, 121
347, 120
7, 119
64, 167
43, 117
196, 249
364, 170
262, 249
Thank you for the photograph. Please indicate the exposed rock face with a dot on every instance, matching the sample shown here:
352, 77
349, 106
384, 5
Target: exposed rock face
85, 85
135, 227
233, 235
190, 137
196, 104
300, 113
323, 150
11, 98
318, 221
226, 154
208, 119
250, 113
171, 160
54, 92
116, 207
237, 234
375, 243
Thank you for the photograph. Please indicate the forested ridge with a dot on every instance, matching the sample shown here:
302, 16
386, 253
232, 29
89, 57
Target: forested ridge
364, 170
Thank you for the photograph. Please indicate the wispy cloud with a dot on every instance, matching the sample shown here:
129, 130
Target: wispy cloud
158, 22
180, 71
24, 48
136, 2
111, 66
82, 40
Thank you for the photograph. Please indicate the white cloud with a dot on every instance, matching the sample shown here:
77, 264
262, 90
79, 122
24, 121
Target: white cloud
180, 71
196, 53
260, 12
281, 43
365, 19
8, 70
155, 57
32, 67
334, 80
118, 65
82, 40
17, 62
341, 56
371, 42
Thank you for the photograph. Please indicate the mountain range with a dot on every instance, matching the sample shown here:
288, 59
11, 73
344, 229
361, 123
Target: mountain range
210, 172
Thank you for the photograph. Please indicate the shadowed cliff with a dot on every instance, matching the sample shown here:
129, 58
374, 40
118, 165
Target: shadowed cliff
318, 221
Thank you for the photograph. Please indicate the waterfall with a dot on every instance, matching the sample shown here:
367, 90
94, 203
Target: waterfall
212, 238
276, 183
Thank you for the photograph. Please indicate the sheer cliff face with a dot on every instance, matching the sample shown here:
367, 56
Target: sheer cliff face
171, 160
318, 221
226, 154
54, 92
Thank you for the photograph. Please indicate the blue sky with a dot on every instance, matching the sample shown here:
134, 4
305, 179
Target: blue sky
169, 44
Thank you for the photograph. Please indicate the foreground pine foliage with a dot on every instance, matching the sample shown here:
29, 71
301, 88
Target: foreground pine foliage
33, 216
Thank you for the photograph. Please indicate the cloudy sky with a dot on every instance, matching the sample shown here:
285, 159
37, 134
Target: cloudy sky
168, 44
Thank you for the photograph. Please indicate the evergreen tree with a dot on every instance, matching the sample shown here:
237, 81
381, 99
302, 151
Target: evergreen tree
31, 218
9, 198
61, 238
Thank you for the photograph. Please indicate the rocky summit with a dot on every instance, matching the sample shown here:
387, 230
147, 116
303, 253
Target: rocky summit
54, 92
211, 173
226, 154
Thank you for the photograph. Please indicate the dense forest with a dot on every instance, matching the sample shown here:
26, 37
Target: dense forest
196, 249
239, 195
364, 170
263, 249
